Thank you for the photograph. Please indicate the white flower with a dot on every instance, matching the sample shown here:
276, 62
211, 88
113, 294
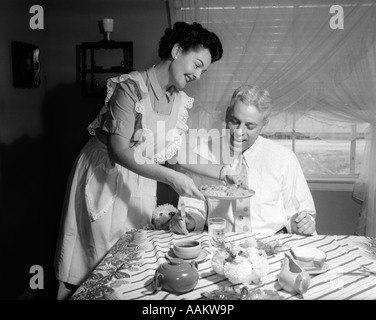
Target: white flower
161, 216
239, 272
260, 269
239, 259
253, 254
241, 264
250, 242
235, 249
218, 260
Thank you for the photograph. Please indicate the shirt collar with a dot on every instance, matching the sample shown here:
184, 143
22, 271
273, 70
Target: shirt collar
247, 153
154, 83
228, 149
156, 87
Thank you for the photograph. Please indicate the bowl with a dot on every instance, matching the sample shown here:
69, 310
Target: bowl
187, 249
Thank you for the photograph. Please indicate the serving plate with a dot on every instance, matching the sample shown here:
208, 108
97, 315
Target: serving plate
219, 192
201, 257
313, 271
251, 193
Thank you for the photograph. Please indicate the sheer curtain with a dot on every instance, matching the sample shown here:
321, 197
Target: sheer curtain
289, 48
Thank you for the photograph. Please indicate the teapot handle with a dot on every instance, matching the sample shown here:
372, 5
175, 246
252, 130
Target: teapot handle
157, 282
194, 264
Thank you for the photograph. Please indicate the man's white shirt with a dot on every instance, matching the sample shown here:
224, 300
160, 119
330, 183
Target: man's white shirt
274, 173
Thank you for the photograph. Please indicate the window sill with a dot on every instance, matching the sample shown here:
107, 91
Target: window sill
331, 184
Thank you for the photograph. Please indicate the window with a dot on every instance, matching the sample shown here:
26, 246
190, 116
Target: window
289, 48
327, 150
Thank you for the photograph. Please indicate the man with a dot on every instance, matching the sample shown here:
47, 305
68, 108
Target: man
282, 201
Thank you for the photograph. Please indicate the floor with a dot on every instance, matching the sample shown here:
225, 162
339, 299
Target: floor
48, 293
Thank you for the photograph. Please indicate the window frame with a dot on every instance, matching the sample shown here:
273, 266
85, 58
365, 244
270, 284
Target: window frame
330, 183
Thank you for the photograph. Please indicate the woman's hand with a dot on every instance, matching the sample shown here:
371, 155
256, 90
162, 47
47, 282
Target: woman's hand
185, 186
236, 177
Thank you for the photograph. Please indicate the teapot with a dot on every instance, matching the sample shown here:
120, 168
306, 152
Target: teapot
293, 278
176, 276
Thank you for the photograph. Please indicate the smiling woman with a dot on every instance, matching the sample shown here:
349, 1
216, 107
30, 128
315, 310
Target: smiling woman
109, 191
189, 65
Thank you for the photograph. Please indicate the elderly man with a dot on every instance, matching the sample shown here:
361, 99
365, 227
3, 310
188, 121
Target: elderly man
282, 201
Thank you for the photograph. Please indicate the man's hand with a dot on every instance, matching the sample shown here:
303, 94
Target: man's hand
302, 223
236, 177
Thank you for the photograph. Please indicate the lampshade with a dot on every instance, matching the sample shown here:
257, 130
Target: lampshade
108, 25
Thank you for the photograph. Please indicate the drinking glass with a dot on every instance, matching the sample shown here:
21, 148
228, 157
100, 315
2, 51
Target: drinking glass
217, 232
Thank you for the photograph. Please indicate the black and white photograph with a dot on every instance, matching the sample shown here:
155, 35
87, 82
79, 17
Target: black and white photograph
188, 154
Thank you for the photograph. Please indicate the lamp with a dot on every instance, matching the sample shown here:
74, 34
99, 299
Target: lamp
108, 27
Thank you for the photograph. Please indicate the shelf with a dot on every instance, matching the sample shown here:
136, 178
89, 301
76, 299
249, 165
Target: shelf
107, 45
95, 64
110, 70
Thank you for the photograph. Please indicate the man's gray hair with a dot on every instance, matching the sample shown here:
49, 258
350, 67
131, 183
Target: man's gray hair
252, 95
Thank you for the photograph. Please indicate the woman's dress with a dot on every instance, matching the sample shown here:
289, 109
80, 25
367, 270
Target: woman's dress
104, 199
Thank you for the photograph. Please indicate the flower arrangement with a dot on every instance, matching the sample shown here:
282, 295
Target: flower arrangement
244, 263
161, 217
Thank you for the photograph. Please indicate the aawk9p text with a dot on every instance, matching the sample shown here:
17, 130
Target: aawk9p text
190, 309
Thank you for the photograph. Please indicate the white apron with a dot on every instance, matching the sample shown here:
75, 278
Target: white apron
104, 199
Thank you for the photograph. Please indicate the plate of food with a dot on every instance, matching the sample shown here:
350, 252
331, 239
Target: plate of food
314, 270
226, 192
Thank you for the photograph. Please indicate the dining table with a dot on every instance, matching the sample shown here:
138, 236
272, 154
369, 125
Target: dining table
127, 270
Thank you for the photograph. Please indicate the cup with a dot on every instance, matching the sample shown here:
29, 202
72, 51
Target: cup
217, 232
187, 249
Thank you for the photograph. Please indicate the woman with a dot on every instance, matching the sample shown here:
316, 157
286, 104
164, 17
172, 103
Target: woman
112, 187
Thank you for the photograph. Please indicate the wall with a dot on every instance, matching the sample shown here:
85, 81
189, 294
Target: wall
21, 192
140, 21
42, 129
337, 213
19, 107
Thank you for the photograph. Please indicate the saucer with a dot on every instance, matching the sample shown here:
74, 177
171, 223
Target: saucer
201, 257
313, 271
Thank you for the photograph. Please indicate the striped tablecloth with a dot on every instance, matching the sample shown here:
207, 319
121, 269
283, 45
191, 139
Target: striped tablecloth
127, 271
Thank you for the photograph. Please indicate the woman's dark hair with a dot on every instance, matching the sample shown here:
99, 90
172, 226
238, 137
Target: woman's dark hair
190, 37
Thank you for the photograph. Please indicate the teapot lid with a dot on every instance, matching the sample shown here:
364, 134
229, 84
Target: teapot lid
176, 261
176, 265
